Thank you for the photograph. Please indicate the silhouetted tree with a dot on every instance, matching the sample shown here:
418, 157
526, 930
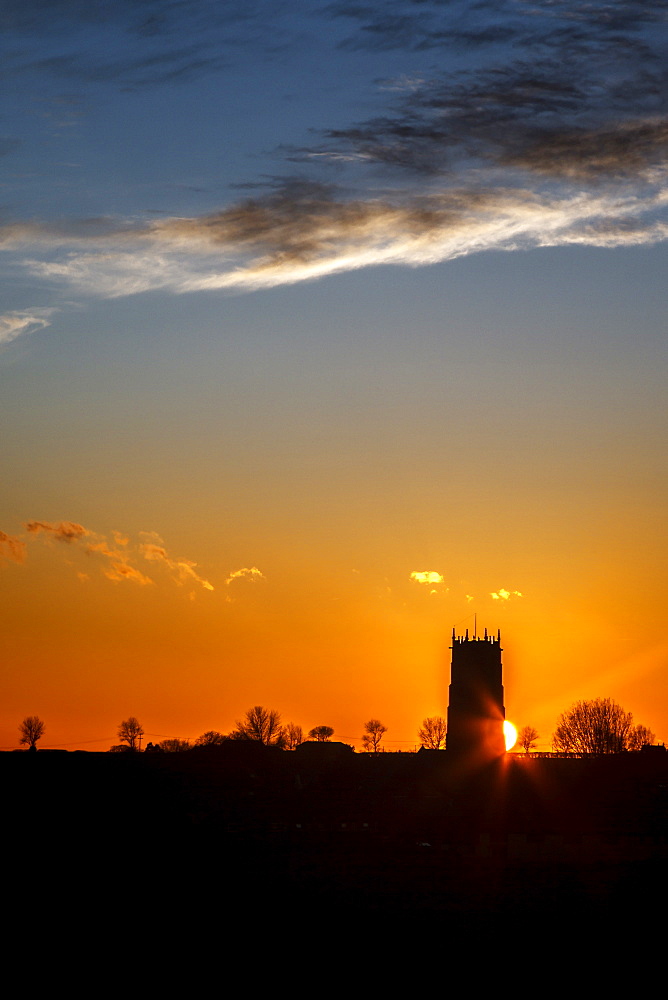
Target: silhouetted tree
261, 724
210, 738
526, 738
293, 736
31, 729
130, 732
321, 733
432, 733
640, 737
174, 745
373, 734
594, 727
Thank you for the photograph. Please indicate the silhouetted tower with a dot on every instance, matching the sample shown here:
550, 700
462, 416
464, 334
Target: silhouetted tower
476, 711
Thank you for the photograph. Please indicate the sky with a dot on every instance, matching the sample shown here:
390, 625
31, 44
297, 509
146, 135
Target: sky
329, 327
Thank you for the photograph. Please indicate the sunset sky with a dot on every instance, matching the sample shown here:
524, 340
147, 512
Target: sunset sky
325, 327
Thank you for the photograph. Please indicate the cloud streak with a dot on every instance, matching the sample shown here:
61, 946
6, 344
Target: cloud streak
306, 231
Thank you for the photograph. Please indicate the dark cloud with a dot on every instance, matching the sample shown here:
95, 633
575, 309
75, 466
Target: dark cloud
579, 91
81, 41
428, 24
612, 152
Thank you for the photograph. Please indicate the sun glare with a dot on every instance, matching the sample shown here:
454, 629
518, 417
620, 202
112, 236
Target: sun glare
510, 734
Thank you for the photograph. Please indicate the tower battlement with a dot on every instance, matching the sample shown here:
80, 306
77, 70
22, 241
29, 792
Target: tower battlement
476, 638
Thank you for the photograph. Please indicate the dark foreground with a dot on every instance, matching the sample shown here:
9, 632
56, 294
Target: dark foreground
399, 840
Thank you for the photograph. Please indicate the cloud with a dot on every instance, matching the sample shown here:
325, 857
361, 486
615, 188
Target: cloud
252, 574
13, 324
527, 126
505, 595
12, 549
120, 566
119, 559
306, 231
62, 531
182, 570
429, 576
135, 45
119, 571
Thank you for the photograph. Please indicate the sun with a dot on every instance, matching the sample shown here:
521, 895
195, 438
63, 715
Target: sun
510, 734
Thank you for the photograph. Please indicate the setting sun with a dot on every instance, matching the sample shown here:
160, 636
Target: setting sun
510, 734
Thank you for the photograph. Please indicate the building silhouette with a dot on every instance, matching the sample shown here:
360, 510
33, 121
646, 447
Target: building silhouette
476, 712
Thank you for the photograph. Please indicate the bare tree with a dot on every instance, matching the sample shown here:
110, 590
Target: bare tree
640, 737
261, 724
432, 733
527, 738
321, 733
373, 734
130, 732
293, 736
31, 729
174, 745
594, 727
210, 738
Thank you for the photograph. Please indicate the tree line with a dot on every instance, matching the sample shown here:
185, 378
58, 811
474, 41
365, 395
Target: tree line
599, 726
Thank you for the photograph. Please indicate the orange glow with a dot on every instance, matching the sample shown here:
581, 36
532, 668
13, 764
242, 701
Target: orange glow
510, 734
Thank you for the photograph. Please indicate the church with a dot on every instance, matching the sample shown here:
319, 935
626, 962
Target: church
476, 711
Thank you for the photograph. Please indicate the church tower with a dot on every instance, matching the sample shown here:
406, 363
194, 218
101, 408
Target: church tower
476, 711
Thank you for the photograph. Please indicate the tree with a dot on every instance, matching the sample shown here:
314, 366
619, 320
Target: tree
211, 738
640, 737
261, 724
432, 732
594, 727
526, 738
293, 736
321, 733
130, 732
373, 734
174, 745
31, 729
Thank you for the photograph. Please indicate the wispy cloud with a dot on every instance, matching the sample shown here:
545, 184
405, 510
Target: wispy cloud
303, 231
12, 549
181, 570
119, 558
120, 567
61, 531
13, 324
